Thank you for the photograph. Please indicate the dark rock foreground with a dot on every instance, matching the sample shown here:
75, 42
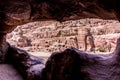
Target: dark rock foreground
70, 64
73, 64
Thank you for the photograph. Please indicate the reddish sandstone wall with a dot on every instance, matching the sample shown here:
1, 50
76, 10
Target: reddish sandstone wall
50, 36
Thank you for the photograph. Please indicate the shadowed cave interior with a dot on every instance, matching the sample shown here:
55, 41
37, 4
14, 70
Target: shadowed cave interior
70, 64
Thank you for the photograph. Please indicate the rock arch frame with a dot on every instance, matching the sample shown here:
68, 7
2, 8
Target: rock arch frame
76, 65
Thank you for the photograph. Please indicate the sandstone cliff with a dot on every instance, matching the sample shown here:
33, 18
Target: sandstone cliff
51, 36
18, 12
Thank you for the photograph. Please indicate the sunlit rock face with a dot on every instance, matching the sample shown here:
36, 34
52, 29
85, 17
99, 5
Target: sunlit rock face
14, 12
51, 36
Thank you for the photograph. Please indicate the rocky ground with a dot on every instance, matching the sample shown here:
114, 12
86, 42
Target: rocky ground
42, 38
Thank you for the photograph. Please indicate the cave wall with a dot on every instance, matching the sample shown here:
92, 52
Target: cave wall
18, 12
14, 12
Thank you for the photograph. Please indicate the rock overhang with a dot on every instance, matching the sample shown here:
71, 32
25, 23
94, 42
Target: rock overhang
14, 12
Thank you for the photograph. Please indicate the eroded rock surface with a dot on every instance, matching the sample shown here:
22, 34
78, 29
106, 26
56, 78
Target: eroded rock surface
30, 67
72, 64
3, 47
51, 36
14, 12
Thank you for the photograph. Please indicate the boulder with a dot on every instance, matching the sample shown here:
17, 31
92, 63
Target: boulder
29, 66
73, 64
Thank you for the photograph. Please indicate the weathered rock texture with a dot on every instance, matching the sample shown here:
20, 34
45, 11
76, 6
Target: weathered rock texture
50, 36
3, 47
30, 67
72, 64
16, 12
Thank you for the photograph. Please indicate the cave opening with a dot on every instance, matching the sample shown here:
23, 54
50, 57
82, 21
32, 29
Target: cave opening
44, 37
87, 35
